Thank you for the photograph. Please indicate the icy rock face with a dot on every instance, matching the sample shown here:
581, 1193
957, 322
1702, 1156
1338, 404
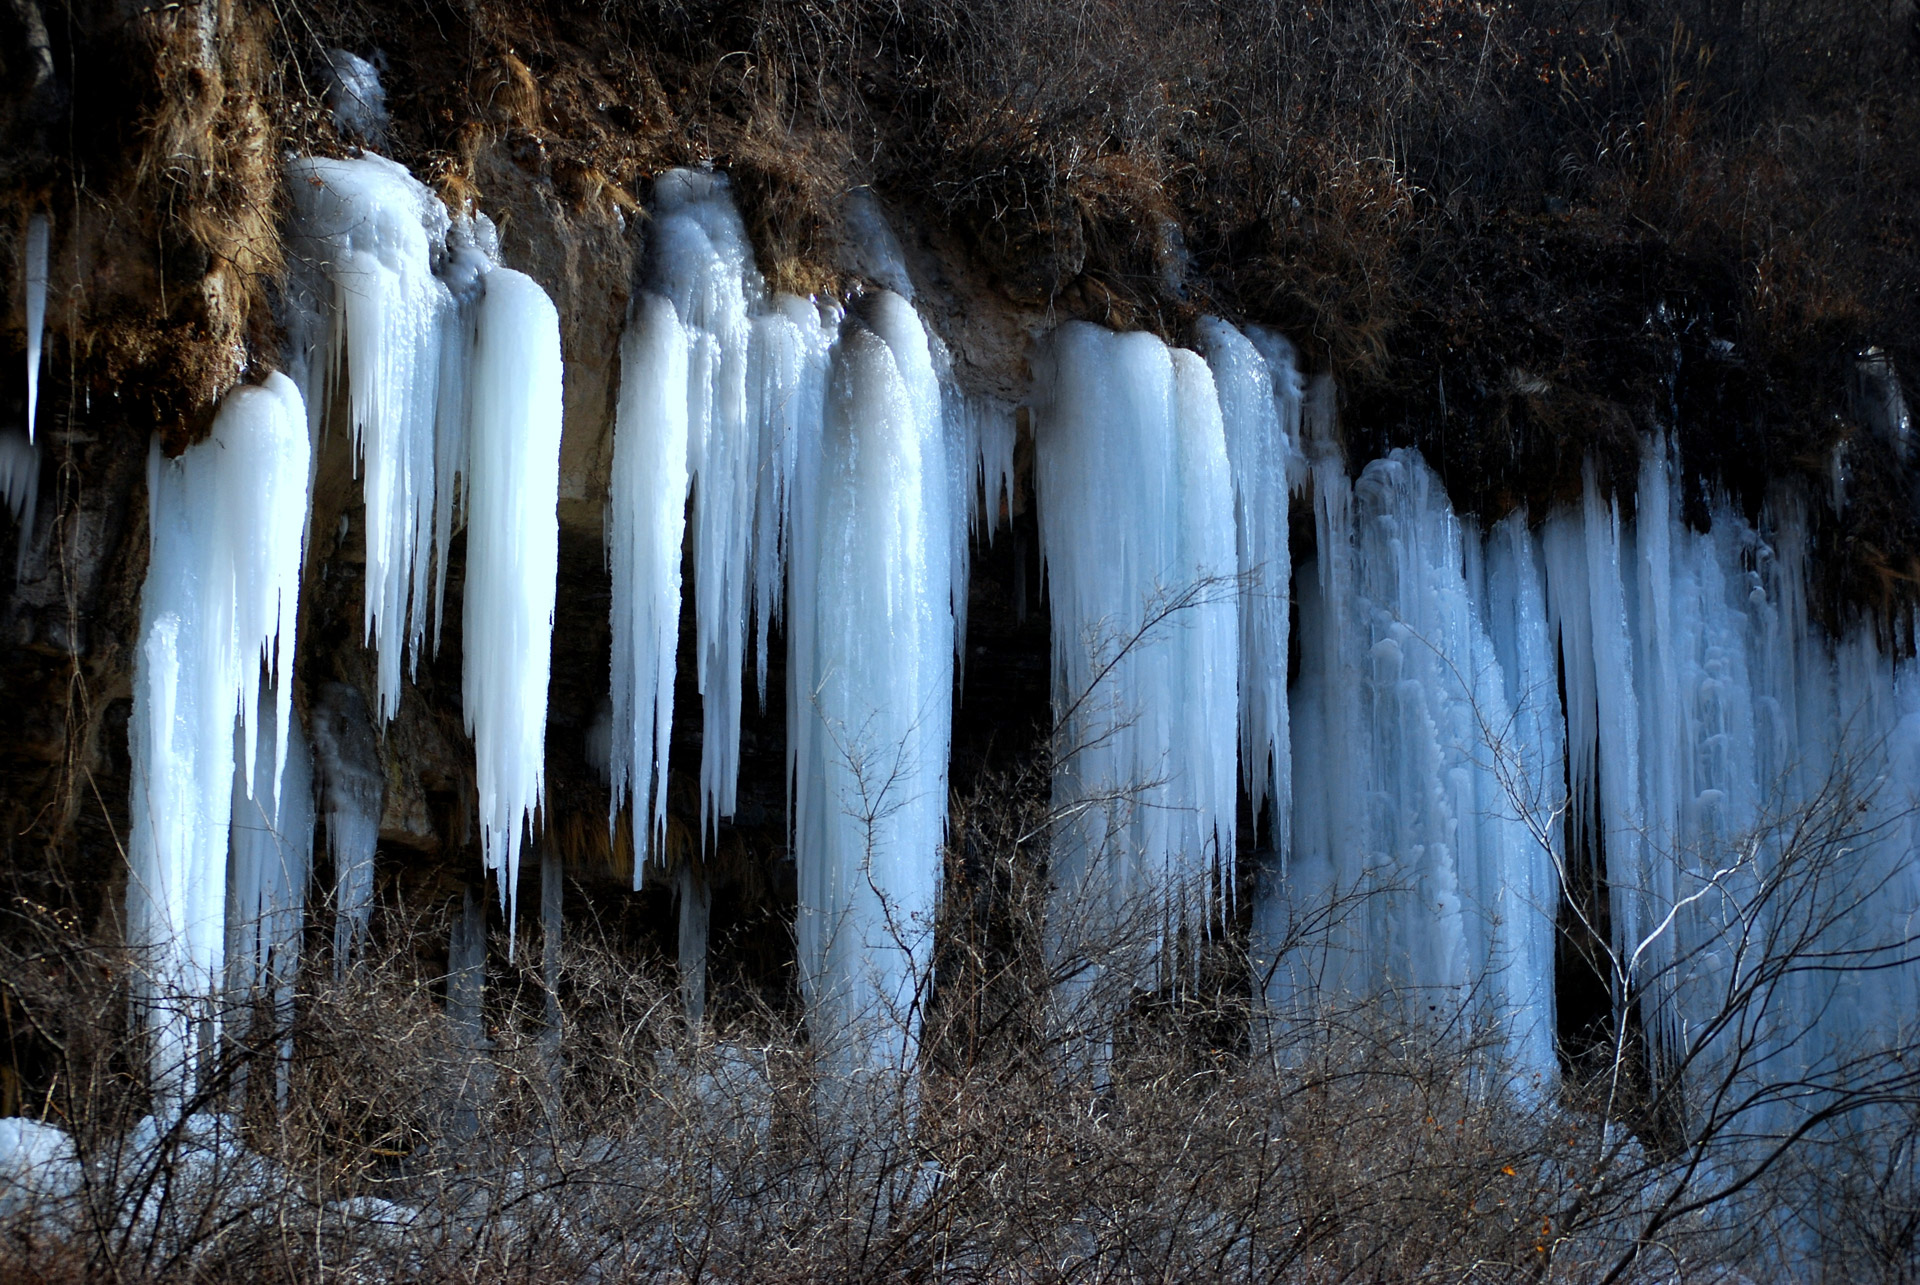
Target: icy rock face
228, 523
355, 96
871, 663
1137, 527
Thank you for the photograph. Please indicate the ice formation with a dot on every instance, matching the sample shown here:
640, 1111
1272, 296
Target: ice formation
454, 393
355, 96
20, 486
269, 860
1137, 527
228, 523
870, 630
1425, 768
367, 237
513, 558
352, 793
1260, 395
646, 524
38, 235
703, 265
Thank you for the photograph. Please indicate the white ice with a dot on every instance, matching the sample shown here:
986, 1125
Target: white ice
228, 524
39, 232
870, 630
513, 552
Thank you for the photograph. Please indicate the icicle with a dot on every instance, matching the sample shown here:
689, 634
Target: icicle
703, 263
870, 631
38, 235
228, 519
787, 388
374, 232
1261, 447
20, 487
696, 909
353, 793
1136, 512
646, 523
269, 863
513, 552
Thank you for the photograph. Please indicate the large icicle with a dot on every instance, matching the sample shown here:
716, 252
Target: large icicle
1137, 526
374, 232
870, 631
38, 235
646, 524
228, 522
1260, 407
270, 859
513, 553
703, 263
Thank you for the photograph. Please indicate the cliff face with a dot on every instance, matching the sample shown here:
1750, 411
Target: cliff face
1517, 242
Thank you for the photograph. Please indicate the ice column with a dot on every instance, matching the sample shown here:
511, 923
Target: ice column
870, 629
1137, 527
703, 264
1260, 409
270, 858
513, 552
20, 487
38, 234
353, 793
646, 524
228, 522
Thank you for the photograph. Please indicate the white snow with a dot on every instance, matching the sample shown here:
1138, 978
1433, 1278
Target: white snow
228, 524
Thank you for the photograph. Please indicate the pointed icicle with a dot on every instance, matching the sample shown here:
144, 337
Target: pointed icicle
513, 553
270, 862
646, 525
39, 233
365, 237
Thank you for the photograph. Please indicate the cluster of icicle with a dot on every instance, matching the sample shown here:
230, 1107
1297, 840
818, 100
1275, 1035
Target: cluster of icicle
452, 385
1452, 697
452, 378
828, 456
1453, 683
